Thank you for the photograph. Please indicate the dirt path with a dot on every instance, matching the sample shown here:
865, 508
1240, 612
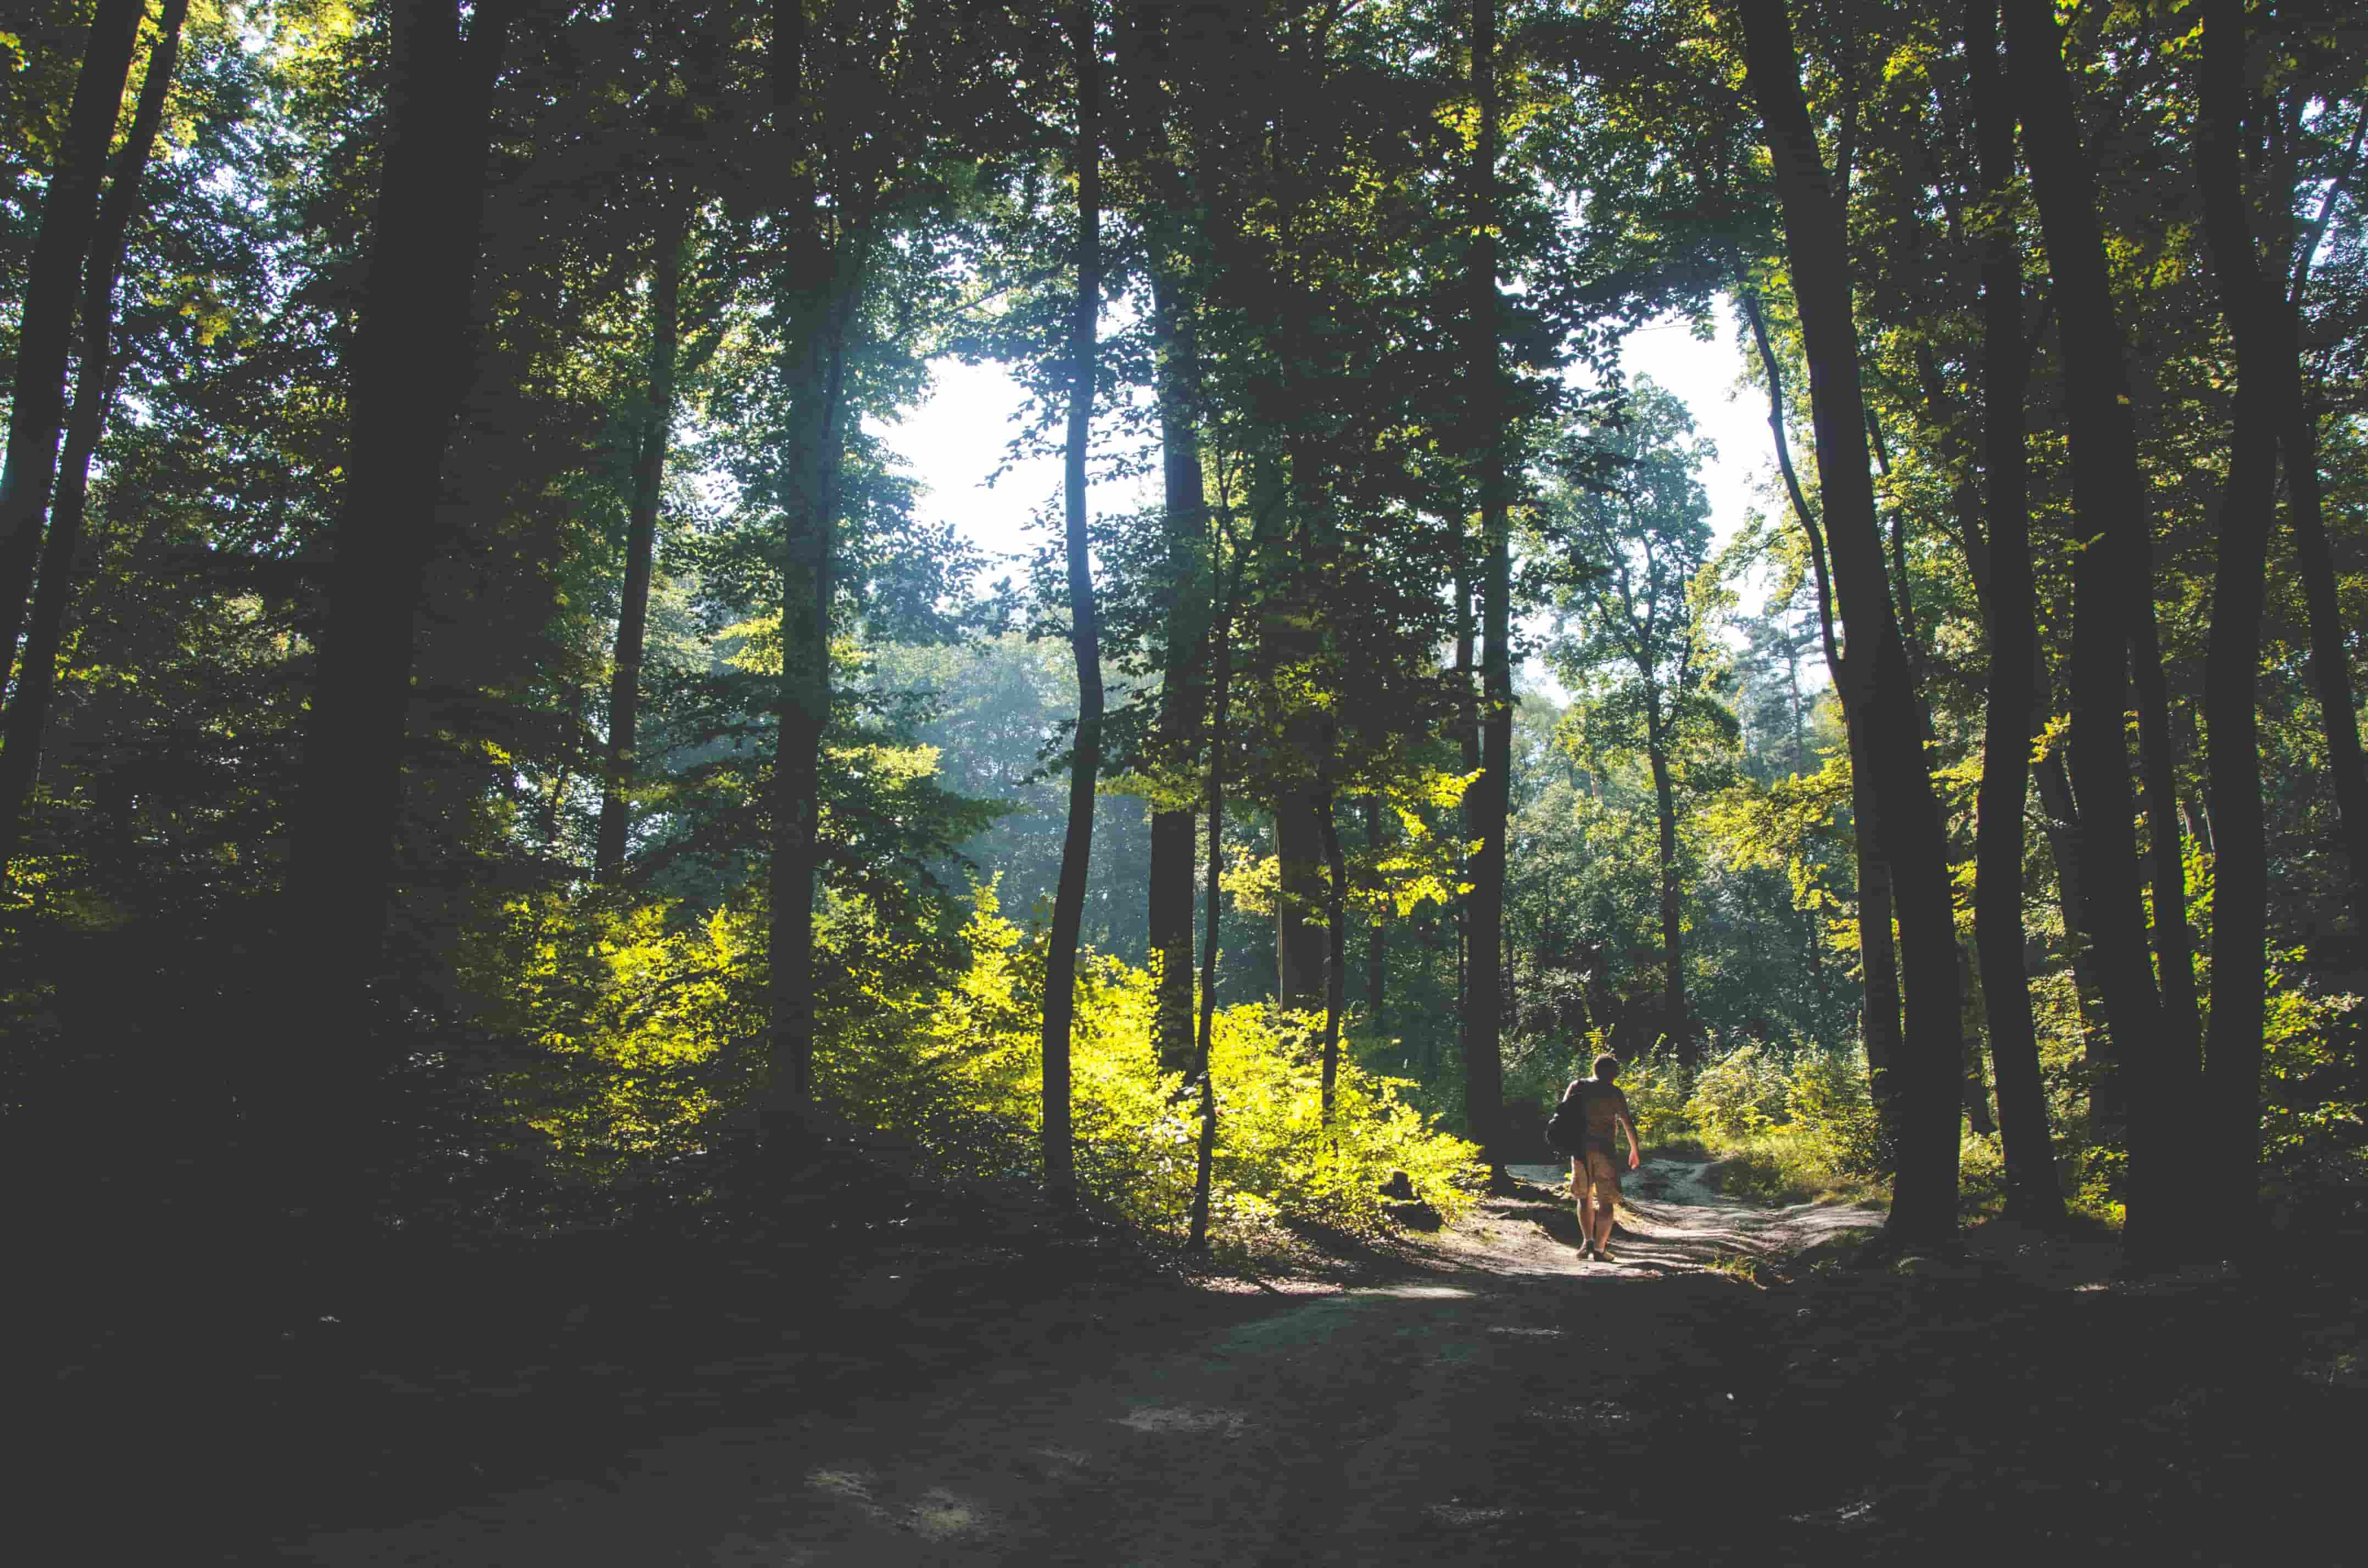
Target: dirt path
1441, 1416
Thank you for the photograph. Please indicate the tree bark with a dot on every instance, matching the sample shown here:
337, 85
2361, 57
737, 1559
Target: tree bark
2265, 380
1336, 957
1085, 632
1673, 948
2108, 574
1877, 955
46, 316
1908, 821
641, 546
1173, 833
825, 297
410, 370
1221, 656
2330, 665
37, 670
1143, 52
1301, 892
1491, 794
2032, 1191
1377, 934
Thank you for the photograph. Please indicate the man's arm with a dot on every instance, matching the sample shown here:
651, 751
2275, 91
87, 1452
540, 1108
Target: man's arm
1635, 1159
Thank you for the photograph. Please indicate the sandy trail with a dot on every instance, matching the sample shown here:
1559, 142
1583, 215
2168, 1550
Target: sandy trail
1441, 1417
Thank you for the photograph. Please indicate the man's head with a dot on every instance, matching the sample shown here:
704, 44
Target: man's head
1607, 1067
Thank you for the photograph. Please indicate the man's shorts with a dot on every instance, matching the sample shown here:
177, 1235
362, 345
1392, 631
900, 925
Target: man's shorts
1602, 1167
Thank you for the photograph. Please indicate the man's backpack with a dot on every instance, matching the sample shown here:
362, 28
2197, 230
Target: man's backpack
1566, 1127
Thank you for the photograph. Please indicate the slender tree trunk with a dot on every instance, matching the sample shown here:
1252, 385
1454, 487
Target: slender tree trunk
1491, 794
1907, 820
2265, 378
2108, 489
1221, 655
1085, 632
410, 371
1878, 957
46, 314
824, 297
1336, 966
2330, 665
37, 672
641, 546
1173, 833
1673, 950
1377, 934
1467, 743
2032, 1190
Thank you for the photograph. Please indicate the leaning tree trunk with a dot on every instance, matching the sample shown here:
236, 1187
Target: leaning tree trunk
2107, 491
2331, 665
641, 546
46, 313
2239, 830
1877, 955
410, 370
1085, 632
37, 672
2032, 1191
1907, 815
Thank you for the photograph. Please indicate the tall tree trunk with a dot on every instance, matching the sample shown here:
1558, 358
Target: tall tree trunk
410, 370
1678, 1026
641, 546
1085, 632
1377, 934
1877, 954
2331, 667
2265, 380
1491, 794
2108, 489
1467, 743
825, 294
2032, 1191
1143, 139
1301, 892
29, 703
46, 314
1173, 833
1907, 819
1220, 658
1336, 960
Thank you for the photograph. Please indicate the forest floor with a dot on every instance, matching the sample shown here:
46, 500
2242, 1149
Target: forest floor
1735, 1384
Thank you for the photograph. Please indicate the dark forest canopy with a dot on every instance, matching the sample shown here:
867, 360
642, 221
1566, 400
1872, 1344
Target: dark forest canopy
493, 738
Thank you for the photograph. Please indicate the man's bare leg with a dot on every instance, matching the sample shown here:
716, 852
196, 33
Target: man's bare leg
1605, 1207
1583, 1191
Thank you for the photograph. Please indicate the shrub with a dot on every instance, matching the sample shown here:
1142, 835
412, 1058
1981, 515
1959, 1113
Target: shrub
959, 1072
1656, 1096
1739, 1094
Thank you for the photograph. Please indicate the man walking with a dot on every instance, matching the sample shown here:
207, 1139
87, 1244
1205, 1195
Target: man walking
1595, 1172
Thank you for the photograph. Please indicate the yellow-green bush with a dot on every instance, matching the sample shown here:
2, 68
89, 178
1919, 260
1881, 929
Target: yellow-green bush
960, 1072
1656, 1096
1738, 1094
645, 1032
